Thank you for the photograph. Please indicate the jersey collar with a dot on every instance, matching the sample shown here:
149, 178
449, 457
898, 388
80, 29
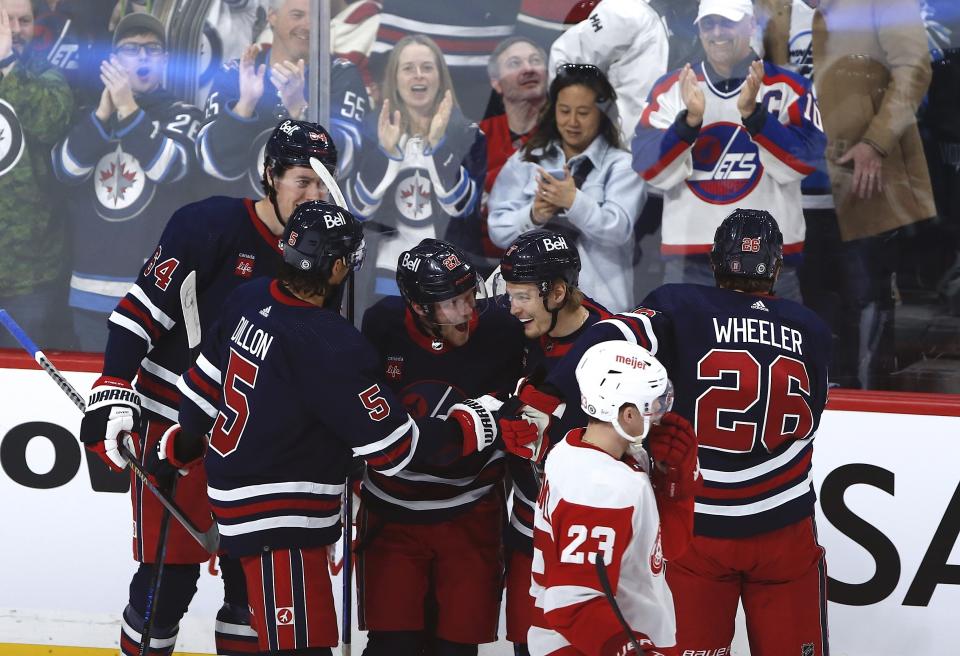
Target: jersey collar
272, 240
426, 342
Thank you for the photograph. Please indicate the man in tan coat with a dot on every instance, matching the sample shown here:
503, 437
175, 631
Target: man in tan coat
872, 68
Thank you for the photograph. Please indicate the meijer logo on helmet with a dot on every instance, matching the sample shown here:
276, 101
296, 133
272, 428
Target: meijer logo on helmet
632, 361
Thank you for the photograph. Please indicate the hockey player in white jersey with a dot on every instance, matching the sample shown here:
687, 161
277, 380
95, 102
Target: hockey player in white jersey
604, 499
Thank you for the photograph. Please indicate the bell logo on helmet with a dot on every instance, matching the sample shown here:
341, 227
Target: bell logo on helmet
451, 262
557, 243
410, 262
292, 240
288, 128
334, 220
631, 361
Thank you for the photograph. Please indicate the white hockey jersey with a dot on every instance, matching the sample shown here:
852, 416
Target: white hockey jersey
591, 504
628, 40
705, 174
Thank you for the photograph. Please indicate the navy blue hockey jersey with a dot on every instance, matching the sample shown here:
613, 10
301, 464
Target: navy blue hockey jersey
544, 352
226, 244
284, 387
750, 373
136, 174
428, 381
231, 147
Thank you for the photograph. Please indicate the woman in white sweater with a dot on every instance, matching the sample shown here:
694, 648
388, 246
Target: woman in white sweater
572, 176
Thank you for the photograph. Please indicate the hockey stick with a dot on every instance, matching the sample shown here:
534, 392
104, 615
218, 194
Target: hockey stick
209, 539
153, 594
334, 189
608, 593
191, 313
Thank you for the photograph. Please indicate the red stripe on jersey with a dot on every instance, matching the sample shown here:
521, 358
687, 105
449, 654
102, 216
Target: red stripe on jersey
272, 240
389, 458
665, 160
655, 94
361, 12
782, 78
143, 318
157, 387
211, 392
283, 599
294, 506
784, 156
796, 471
464, 46
794, 113
637, 329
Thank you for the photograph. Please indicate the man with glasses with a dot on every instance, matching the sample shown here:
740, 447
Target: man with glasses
133, 153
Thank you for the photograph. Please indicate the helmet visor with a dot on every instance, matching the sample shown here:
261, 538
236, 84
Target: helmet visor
660, 405
461, 308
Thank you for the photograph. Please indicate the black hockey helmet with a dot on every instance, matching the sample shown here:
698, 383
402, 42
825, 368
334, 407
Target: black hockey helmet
293, 143
748, 244
319, 233
540, 257
433, 271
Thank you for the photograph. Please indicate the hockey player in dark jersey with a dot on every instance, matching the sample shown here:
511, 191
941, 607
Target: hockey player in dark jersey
226, 241
430, 565
750, 372
133, 153
267, 84
538, 277
284, 385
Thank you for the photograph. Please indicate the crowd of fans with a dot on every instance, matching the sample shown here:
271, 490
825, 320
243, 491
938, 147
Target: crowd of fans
627, 126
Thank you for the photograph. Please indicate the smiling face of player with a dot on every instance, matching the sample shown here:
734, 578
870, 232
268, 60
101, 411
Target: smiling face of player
144, 58
297, 185
291, 29
452, 317
725, 42
418, 78
526, 304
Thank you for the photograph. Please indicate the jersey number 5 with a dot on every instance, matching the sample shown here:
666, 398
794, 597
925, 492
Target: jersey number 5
227, 432
729, 417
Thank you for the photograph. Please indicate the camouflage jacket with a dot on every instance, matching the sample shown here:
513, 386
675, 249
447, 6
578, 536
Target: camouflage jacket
35, 108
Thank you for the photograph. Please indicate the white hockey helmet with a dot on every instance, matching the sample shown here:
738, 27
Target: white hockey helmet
615, 373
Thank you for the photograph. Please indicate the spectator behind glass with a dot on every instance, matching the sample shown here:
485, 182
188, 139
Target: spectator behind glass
572, 177
132, 154
724, 133
35, 108
873, 68
267, 85
467, 30
422, 164
627, 40
229, 28
518, 72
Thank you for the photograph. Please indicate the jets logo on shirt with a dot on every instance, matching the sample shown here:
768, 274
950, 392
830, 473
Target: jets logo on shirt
430, 398
726, 164
801, 53
121, 187
11, 138
413, 197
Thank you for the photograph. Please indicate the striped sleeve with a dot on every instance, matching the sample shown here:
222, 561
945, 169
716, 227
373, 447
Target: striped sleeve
75, 156
661, 150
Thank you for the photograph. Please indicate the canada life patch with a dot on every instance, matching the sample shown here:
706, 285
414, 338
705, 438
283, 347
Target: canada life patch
244, 267
394, 367
726, 164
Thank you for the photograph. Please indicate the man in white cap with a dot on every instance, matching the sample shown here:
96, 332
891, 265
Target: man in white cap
727, 132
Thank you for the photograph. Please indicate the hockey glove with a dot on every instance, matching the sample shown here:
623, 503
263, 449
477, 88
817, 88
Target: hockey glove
673, 447
113, 411
530, 407
478, 421
176, 451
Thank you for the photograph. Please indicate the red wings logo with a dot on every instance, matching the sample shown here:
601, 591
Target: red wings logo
656, 556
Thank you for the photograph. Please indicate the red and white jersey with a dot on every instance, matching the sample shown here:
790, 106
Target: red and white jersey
705, 174
591, 504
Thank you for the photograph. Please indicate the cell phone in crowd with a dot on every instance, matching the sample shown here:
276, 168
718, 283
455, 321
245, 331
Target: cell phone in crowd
559, 174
